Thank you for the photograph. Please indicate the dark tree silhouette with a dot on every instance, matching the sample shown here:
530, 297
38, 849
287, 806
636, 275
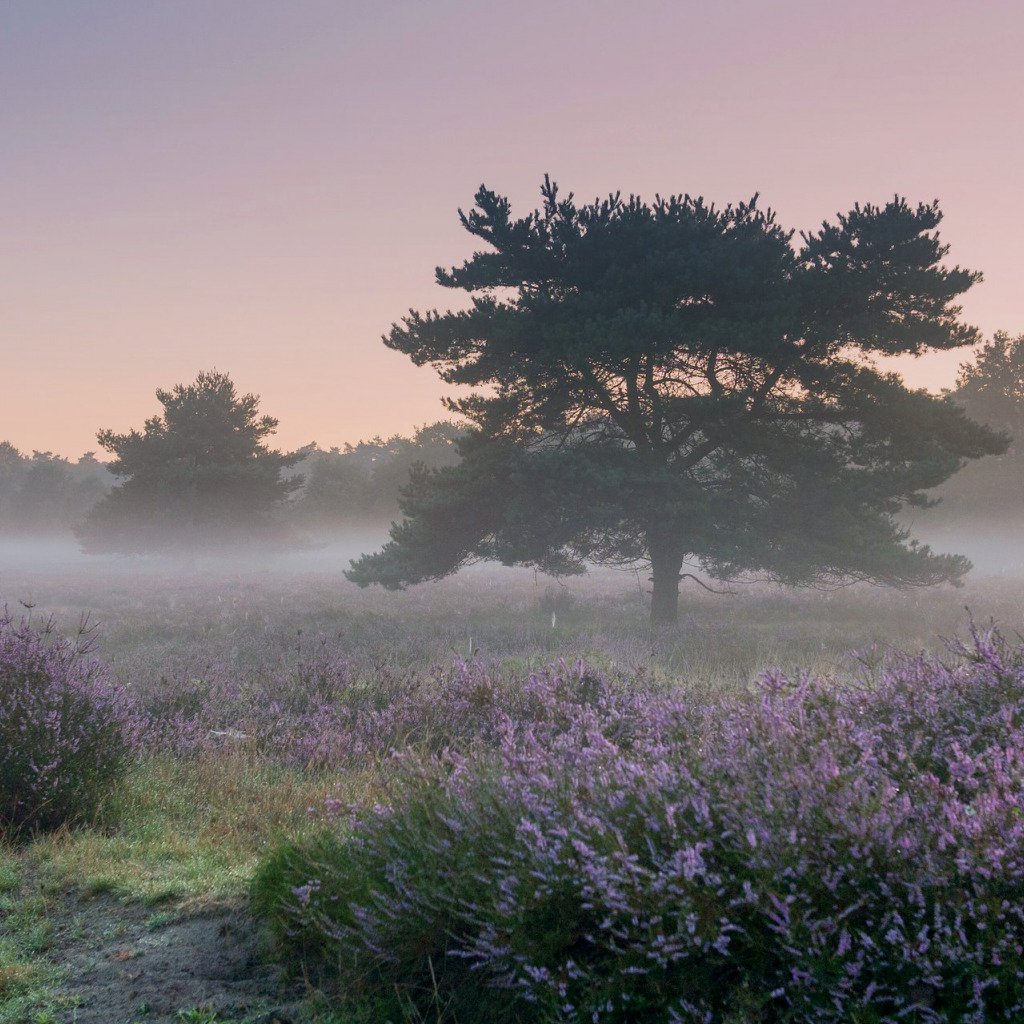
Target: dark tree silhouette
673, 382
197, 475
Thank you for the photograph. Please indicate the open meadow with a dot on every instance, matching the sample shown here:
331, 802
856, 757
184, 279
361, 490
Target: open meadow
272, 703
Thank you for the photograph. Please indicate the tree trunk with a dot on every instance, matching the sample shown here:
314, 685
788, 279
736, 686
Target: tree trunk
666, 562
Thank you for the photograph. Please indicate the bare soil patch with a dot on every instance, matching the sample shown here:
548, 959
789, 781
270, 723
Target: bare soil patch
129, 963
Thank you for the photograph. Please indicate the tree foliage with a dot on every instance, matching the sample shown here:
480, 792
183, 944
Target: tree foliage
197, 474
674, 381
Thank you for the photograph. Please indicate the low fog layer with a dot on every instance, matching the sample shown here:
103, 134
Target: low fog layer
317, 557
995, 549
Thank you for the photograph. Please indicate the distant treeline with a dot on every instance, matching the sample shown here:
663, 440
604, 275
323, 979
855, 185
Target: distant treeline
991, 390
204, 463
362, 482
43, 493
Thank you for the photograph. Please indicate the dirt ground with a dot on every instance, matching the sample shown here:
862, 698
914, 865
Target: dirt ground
129, 964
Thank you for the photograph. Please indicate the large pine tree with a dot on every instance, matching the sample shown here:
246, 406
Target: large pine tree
673, 382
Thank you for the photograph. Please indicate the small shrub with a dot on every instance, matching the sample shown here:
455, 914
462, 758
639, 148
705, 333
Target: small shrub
820, 853
66, 732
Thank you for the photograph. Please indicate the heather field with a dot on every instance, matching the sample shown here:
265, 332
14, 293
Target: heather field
258, 793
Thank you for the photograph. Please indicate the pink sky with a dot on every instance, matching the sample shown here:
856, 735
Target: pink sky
263, 187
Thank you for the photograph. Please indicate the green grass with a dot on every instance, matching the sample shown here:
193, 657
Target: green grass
182, 832
26, 975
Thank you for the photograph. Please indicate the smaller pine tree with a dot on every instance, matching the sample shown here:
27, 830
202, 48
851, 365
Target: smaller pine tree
198, 475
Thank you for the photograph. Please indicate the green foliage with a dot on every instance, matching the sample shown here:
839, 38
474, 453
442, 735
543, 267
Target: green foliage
197, 474
286, 866
674, 381
27, 975
347, 877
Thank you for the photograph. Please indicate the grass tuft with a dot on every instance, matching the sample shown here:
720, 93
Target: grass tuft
183, 832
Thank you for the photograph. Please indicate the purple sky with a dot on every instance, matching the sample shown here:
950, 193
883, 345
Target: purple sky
263, 187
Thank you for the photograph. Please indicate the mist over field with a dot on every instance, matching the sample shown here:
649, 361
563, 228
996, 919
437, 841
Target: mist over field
994, 546
176, 610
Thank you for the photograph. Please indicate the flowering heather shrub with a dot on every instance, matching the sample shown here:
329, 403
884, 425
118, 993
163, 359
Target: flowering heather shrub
323, 714
66, 733
822, 852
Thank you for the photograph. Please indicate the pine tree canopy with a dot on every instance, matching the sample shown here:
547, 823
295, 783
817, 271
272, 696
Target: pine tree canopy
673, 382
198, 474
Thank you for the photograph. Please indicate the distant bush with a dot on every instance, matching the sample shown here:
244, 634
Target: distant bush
821, 852
66, 733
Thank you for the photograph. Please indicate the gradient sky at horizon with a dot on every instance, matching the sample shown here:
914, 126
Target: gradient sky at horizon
263, 187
